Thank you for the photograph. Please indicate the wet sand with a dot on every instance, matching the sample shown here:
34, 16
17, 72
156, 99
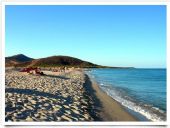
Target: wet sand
110, 110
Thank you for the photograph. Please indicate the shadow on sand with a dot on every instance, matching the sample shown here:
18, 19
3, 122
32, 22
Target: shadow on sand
94, 103
30, 112
36, 93
60, 77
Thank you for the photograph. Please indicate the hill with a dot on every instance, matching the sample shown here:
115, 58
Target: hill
21, 60
24, 61
17, 59
61, 61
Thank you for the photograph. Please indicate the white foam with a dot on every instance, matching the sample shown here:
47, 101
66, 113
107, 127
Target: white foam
101, 84
145, 110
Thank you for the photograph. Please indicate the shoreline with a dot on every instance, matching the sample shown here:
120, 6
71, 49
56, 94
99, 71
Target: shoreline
110, 110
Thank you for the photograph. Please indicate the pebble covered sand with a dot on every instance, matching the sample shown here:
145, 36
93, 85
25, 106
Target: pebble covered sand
46, 98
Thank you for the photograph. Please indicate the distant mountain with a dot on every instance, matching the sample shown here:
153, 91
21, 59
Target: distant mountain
61, 61
21, 60
24, 61
17, 59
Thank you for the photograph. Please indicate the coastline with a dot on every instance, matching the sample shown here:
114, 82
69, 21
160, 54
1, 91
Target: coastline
110, 110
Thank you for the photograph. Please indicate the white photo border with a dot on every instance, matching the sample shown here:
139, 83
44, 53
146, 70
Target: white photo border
81, 123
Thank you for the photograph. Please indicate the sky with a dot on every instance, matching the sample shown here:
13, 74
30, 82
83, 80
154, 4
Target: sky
128, 36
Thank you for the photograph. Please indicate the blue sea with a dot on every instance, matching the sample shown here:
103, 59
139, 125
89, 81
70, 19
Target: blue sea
141, 91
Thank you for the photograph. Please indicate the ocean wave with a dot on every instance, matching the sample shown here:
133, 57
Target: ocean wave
150, 112
125, 97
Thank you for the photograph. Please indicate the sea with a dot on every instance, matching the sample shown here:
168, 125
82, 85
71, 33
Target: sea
142, 92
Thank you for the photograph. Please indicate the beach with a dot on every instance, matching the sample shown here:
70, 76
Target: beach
142, 92
110, 110
70, 96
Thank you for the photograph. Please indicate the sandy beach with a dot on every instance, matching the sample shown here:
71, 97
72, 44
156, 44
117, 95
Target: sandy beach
70, 96
110, 110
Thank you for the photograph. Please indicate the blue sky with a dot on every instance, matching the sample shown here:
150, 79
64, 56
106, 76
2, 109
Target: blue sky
106, 35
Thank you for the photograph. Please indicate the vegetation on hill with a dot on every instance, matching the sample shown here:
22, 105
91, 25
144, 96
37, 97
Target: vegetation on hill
17, 59
53, 61
21, 60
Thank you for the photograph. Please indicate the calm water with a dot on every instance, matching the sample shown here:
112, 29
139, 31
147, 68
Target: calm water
140, 90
